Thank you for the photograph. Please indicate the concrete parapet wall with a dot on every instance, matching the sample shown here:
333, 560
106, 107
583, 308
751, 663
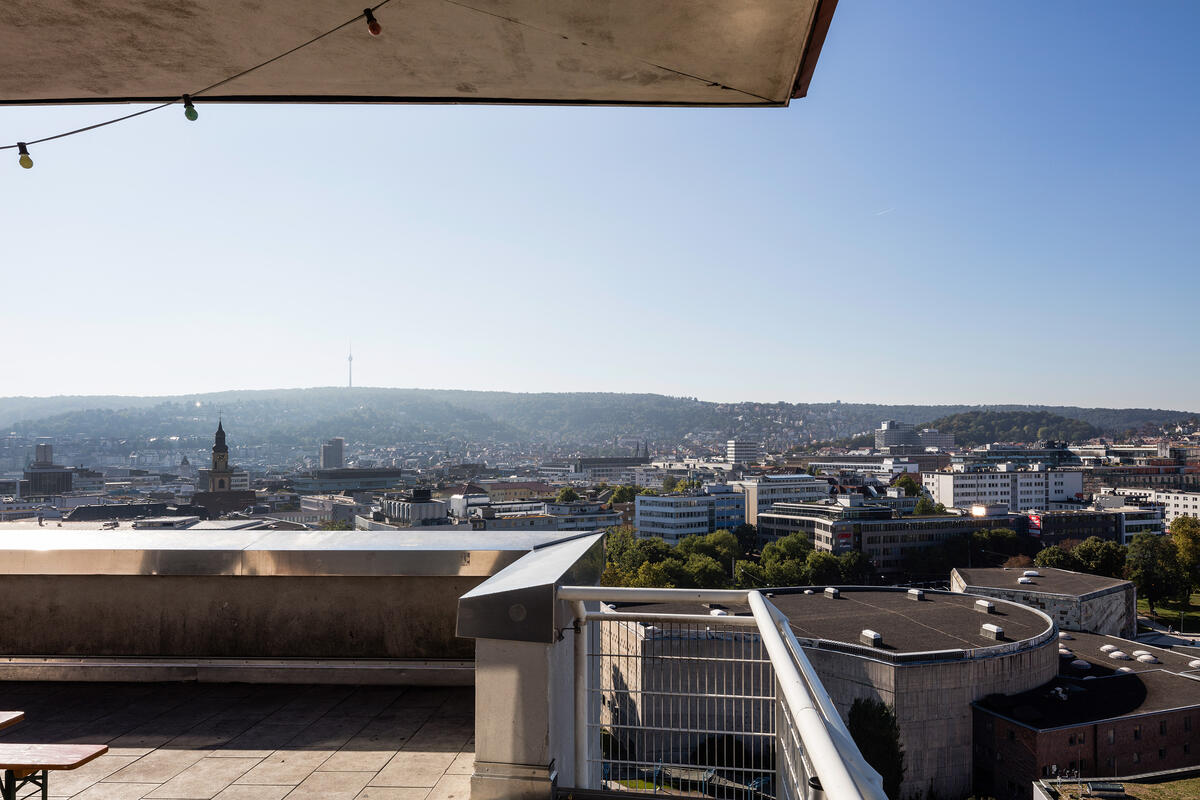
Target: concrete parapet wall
228, 616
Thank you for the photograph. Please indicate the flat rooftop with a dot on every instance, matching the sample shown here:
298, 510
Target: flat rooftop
1100, 698
942, 621
1099, 691
197, 741
1051, 581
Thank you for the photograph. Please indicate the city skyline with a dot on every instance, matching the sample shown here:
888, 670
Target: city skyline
962, 211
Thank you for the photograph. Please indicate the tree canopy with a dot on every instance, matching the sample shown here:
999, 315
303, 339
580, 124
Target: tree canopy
1152, 563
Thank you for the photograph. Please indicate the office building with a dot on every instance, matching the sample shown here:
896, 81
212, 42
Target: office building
853, 523
763, 491
44, 476
1172, 503
415, 508
743, 451
333, 453
1018, 488
671, 517
892, 433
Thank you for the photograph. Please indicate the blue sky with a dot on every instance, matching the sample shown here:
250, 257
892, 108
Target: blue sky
978, 202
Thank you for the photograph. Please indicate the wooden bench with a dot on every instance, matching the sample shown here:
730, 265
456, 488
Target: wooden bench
30, 764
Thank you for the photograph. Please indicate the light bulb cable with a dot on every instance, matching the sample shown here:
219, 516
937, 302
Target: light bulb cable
367, 14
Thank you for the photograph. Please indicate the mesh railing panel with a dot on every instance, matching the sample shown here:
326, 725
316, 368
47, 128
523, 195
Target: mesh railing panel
681, 708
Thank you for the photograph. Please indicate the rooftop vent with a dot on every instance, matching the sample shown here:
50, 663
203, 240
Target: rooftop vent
985, 606
990, 631
832, 592
1118, 655
1079, 663
1024, 580
1065, 653
1139, 653
1125, 669
1063, 635
1107, 648
1194, 663
870, 638
1147, 659
916, 594
718, 612
1032, 573
808, 591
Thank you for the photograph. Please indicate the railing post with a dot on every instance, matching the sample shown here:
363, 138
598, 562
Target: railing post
582, 773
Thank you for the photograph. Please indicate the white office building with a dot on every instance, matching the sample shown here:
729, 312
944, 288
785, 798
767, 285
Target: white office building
743, 451
763, 491
671, 517
1173, 503
1020, 489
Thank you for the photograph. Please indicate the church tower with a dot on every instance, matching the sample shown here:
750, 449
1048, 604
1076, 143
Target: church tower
220, 476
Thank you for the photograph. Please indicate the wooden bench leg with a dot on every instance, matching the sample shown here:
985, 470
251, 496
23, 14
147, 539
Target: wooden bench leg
8, 785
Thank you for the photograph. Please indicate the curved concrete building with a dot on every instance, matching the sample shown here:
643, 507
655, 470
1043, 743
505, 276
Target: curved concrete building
932, 654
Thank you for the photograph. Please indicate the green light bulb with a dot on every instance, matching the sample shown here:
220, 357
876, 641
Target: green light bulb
190, 112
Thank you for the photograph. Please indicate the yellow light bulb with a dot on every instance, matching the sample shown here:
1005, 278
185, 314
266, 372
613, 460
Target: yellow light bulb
25, 161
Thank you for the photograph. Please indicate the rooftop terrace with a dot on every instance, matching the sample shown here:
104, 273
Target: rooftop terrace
253, 742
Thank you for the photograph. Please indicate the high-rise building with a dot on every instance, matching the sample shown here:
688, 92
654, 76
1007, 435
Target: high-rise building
333, 453
892, 434
743, 451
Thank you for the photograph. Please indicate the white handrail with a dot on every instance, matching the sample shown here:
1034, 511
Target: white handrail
840, 777
843, 772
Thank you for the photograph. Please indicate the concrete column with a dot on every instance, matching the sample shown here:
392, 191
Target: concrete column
523, 719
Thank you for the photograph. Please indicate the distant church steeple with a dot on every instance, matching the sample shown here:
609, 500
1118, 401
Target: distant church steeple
220, 476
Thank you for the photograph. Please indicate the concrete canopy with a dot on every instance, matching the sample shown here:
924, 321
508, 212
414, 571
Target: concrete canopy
620, 52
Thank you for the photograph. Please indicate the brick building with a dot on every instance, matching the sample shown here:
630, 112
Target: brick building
1116, 716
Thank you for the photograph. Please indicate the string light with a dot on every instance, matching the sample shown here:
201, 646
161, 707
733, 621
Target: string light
372, 24
189, 109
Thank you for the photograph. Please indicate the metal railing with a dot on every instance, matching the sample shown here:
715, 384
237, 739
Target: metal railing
717, 705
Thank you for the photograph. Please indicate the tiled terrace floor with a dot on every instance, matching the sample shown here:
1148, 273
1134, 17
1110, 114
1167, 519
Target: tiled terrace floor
186, 741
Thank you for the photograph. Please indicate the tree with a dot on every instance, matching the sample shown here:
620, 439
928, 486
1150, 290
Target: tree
909, 484
336, 526
1057, 558
1152, 564
624, 494
702, 572
747, 536
567, 495
669, 483
925, 508
653, 575
792, 546
1100, 557
873, 726
1185, 535
855, 568
821, 567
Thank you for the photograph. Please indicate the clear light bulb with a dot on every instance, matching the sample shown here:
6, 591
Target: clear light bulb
24, 160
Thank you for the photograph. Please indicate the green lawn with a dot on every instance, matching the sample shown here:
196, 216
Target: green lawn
1186, 789
1167, 612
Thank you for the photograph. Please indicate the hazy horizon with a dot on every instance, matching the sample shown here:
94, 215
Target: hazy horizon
973, 206
803, 401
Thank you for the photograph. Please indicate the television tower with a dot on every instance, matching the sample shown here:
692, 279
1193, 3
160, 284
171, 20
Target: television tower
350, 369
